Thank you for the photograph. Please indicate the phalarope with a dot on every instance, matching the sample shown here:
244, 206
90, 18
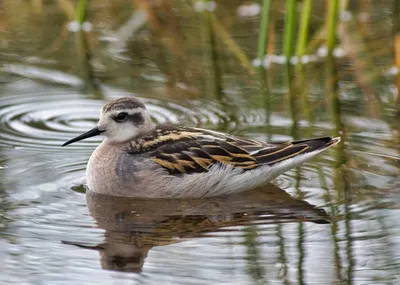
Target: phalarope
138, 158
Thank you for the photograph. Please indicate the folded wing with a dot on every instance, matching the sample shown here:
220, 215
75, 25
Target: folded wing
196, 153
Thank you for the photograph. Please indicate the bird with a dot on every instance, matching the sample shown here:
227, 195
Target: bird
139, 158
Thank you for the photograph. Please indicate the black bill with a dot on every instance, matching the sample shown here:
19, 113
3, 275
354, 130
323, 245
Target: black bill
93, 132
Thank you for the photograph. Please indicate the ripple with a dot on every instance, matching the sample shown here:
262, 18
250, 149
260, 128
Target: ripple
42, 120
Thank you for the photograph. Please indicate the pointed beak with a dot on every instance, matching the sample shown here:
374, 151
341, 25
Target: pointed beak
93, 132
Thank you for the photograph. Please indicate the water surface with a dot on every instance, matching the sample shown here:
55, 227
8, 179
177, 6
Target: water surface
333, 220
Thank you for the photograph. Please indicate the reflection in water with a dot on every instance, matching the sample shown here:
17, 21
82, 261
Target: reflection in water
341, 182
134, 226
185, 64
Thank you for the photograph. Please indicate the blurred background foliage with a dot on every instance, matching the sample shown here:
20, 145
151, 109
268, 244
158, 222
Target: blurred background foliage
263, 69
191, 44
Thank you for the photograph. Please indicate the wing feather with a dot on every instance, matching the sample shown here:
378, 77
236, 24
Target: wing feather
188, 151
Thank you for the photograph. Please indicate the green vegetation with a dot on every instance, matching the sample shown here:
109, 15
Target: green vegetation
229, 40
304, 25
263, 36
81, 9
290, 28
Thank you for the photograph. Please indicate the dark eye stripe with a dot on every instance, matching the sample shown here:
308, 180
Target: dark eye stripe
136, 118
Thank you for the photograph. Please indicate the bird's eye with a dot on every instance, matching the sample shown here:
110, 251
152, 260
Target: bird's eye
121, 117
120, 263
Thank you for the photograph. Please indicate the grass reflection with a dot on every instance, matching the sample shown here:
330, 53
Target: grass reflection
341, 184
255, 268
340, 81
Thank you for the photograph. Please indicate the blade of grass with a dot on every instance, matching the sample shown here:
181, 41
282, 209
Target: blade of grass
318, 38
263, 36
68, 8
81, 11
304, 23
289, 28
227, 39
332, 18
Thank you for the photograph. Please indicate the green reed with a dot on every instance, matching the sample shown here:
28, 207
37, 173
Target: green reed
290, 26
304, 25
263, 37
81, 8
332, 18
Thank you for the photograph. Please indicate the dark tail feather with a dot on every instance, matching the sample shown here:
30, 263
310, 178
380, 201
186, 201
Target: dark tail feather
292, 149
317, 143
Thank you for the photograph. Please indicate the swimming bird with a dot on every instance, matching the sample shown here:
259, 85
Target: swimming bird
139, 158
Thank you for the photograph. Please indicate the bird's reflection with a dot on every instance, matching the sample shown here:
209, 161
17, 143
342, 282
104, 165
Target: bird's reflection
133, 226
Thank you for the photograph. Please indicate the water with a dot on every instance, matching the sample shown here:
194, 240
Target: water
339, 225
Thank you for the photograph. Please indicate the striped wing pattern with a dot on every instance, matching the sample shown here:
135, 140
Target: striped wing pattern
193, 150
